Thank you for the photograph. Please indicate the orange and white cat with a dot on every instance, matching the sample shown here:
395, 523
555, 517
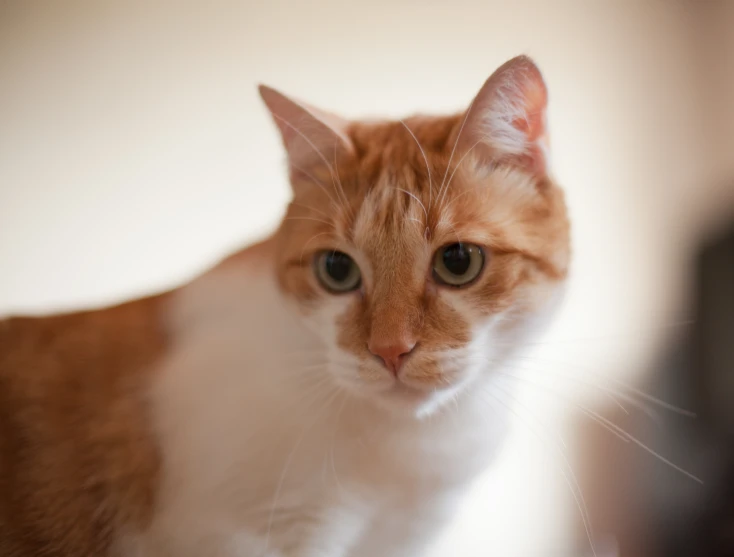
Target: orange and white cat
322, 393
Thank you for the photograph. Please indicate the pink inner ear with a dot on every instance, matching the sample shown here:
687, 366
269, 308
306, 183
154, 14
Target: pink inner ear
309, 134
533, 127
508, 116
532, 124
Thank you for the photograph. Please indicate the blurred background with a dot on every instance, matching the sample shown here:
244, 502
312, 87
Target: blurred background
134, 153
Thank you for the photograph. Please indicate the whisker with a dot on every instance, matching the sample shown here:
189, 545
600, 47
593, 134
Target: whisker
313, 219
341, 186
621, 406
623, 434
610, 393
463, 193
443, 196
572, 483
517, 402
590, 413
317, 182
309, 367
302, 351
333, 441
663, 459
612, 337
311, 209
418, 200
613, 394
313, 386
428, 168
456, 143
622, 384
303, 251
281, 479
450, 225
316, 150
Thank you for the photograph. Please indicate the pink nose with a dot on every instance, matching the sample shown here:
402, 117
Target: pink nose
393, 354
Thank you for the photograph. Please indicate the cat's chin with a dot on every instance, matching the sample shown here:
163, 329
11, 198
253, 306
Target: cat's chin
406, 396
402, 399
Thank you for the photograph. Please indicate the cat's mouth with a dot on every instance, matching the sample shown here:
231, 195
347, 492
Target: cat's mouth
401, 391
425, 381
416, 400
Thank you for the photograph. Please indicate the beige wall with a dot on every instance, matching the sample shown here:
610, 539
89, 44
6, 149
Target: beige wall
134, 152
715, 29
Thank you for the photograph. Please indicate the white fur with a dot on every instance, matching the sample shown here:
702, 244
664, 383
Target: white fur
263, 457
497, 122
509, 104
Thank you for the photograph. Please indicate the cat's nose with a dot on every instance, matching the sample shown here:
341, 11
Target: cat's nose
393, 354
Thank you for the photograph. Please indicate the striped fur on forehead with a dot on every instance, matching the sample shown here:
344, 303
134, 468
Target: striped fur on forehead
399, 172
395, 144
392, 207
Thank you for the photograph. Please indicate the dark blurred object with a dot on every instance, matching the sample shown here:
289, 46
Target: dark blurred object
714, 336
649, 507
709, 530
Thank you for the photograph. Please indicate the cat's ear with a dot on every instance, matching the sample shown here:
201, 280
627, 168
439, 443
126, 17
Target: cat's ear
506, 122
310, 135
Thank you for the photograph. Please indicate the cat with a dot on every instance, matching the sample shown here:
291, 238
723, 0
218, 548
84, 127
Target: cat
320, 393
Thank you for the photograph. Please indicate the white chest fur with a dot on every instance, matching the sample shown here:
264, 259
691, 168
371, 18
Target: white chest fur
258, 463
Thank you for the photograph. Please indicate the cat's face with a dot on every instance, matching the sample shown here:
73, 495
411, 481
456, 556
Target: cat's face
419, 251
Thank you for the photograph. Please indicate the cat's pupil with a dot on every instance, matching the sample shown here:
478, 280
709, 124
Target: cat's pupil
456, 259
339, 266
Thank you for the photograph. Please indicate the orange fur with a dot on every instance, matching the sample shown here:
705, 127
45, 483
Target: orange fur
78, 462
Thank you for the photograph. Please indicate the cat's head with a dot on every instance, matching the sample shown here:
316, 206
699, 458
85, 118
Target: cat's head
418, 250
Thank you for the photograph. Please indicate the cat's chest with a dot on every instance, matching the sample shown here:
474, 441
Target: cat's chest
267, 470
424, 458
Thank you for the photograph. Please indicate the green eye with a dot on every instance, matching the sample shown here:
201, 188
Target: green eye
337, 272
458, 264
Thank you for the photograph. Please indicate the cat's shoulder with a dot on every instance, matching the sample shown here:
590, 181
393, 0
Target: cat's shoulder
78, 458
122, 333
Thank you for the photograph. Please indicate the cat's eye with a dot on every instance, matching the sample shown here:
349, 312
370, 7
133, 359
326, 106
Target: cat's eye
337, 272
458, 264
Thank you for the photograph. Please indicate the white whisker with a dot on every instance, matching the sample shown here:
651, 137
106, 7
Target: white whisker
333, 441
456, 143
339, 182
627, 396
311, 240
610, 393
418, 200
281, 480
611, 337
621, 433
451, 226
572, 483
443, 196
463, 193
315, 181
311, 209
316, 150
312, 219
428, 168
611, 428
